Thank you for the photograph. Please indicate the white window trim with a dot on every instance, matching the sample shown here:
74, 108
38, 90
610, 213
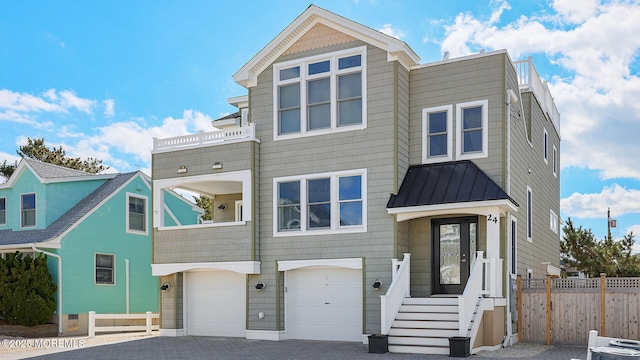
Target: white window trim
425, 132
545, 145
95, 268
555, 161
146, 214
22, 211
514, 242
333, 73
485, 130
553, 221
5, 211
335, 227
529, 215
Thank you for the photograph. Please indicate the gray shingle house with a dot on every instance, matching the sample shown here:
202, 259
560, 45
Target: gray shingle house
357, 191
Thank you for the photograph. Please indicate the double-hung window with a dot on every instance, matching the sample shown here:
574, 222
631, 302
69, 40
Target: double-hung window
28, 210
320, 94
529, 214
320, 203
472, 129
105, 268
3, 211
436, 130
555, 161
136, 213
545, 145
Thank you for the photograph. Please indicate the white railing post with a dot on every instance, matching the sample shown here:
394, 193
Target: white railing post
399, 288
92, 324
149, 323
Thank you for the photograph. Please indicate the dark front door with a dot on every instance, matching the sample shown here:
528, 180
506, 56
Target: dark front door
453, 244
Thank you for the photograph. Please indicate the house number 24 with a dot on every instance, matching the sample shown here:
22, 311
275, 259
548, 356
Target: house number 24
492, 218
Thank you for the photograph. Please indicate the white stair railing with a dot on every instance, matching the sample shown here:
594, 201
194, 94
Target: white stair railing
391, 302
475, 288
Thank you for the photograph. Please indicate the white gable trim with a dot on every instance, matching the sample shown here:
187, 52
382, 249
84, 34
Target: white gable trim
396, 49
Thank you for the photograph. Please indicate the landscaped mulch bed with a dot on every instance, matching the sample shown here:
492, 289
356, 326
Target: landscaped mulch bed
37, 331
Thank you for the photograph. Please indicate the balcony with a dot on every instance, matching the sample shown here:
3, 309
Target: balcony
529, 80
218, 137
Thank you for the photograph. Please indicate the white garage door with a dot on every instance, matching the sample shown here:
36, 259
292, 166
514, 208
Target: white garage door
216, 303
324, 304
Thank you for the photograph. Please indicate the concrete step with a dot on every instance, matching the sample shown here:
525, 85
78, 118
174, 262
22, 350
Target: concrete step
427, 316
418, 341
419, 349
443, 333
424, 324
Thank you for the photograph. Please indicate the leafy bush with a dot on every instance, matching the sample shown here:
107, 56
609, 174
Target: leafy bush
27, 290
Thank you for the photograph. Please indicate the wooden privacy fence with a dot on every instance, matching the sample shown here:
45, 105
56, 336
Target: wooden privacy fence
563, 311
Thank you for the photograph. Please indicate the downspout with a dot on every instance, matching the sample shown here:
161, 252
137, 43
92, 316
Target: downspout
507, 275
126, 266
59, 283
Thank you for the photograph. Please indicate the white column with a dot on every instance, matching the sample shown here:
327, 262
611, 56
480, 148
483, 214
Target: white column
493, 252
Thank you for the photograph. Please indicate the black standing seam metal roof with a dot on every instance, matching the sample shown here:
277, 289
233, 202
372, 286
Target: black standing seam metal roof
68, 219
446, 183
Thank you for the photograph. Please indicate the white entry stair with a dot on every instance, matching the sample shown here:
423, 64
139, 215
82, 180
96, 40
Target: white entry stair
424, 325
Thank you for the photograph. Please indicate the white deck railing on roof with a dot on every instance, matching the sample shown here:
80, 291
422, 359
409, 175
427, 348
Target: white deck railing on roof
204, 138
529, 79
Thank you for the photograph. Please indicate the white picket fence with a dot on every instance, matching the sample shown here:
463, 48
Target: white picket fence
147, 328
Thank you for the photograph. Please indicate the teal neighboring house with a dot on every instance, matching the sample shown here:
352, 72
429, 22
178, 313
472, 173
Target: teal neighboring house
97, 232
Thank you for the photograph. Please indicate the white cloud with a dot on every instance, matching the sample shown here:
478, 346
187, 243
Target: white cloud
620, 200
135, 138
49, 101
595, 46
391, 31
109, 107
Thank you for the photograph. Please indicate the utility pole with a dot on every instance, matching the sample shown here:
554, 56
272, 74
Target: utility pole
609, 223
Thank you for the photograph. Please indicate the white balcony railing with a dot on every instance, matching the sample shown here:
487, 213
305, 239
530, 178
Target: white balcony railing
529, 79
391, 302
205, 138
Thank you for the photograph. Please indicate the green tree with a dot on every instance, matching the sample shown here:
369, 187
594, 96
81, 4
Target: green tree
37, 149
580, 249
27, 288
205, 203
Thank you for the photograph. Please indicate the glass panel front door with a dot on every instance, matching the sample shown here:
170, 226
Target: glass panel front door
454, 243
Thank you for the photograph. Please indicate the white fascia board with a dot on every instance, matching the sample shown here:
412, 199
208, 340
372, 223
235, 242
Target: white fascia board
397, 49
242, 267
43, 245
350, 263
474, 207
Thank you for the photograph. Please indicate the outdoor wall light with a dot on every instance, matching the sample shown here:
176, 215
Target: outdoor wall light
377, 284
165, 286
260, 285
222, 207
182, 169
216, 166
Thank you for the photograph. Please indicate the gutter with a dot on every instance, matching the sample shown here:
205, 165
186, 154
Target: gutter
35, 249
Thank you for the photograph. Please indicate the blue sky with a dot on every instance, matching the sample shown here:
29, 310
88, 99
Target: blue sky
102, 78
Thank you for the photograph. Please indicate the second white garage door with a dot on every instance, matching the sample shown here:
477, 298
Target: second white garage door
324, 304
216, 303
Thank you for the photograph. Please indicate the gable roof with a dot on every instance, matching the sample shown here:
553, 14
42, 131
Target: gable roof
446, 183
69, 219
396, 49
47, 173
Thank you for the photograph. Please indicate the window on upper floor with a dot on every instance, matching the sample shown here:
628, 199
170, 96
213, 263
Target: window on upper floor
28, 210
136, 214
105, 269
320, 94
553, 221
514, 245
529, 214
436, 134
3, 211
545, 145
472, 129
320, 203
555, 161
